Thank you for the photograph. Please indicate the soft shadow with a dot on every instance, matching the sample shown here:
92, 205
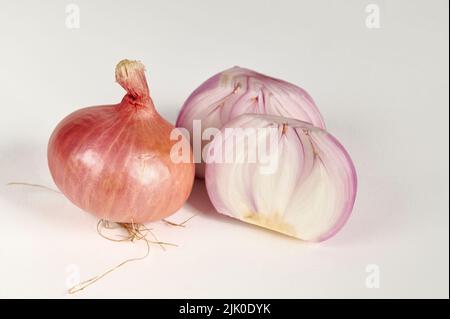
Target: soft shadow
199, 200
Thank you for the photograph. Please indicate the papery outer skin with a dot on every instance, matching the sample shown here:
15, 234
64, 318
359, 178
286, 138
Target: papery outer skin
289, 201
237, 91
114, 162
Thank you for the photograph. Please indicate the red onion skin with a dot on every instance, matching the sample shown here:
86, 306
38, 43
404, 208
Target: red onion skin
114, 161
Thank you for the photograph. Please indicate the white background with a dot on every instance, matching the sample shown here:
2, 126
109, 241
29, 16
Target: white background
383, 93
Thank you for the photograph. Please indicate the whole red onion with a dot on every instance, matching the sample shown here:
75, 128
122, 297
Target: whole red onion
114, 160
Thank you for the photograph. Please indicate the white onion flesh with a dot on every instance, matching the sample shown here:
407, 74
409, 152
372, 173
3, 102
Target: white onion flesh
308, 195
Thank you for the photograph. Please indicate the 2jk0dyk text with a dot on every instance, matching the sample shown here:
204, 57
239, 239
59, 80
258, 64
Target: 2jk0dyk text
227, 309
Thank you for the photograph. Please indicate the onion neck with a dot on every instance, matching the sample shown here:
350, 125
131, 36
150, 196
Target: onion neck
131, 76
